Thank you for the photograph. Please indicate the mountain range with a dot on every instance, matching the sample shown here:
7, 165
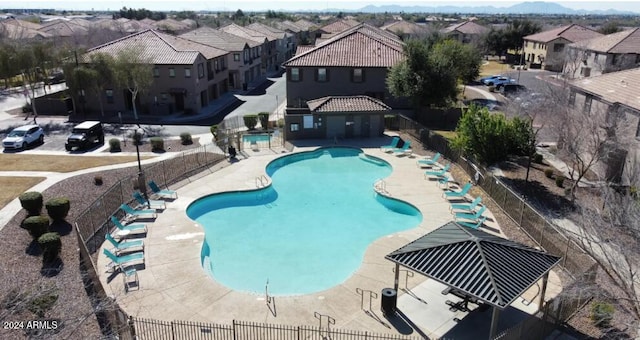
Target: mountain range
536, 7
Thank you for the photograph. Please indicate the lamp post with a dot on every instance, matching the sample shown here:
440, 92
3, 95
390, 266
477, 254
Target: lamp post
141, 180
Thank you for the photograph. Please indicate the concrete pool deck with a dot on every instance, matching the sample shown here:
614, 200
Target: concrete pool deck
174, 286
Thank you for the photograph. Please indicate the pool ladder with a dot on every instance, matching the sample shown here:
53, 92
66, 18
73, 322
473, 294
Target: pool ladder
380, 186
261, 181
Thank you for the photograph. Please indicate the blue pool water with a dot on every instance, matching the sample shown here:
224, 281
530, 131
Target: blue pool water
305, 233
255, 138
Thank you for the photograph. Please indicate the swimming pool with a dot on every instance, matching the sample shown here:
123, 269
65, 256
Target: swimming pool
255, 138
305, 233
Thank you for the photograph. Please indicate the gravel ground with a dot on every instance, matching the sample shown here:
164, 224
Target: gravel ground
20, 271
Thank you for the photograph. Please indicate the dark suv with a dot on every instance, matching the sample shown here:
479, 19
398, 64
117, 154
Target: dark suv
85, 135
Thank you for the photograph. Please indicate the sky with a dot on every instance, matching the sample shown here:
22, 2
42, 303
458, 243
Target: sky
258, 5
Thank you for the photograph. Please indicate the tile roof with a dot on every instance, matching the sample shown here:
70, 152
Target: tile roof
339, 26
620, 43
21, 23
620, 87
63, 28
347, 104
16, 32
467, 27
158, 48
246, 33
360, 46
303, 48
171, 24
268, 31
404, 27
571, 32
305, 24
288, 26
219, 39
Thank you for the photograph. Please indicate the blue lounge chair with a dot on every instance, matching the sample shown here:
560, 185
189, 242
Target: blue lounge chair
131, 228
119, 261
154, 204
405, 149
160, 192
135, 213
458, 194
438, 173
472, 217
471, 225
467, 207
394, 144
123, 245
429, 161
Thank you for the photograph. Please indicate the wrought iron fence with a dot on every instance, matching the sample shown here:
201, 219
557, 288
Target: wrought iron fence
241, 330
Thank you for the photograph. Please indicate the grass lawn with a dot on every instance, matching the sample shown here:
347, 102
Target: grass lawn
494, 67
16, 162
449, 135
12, 187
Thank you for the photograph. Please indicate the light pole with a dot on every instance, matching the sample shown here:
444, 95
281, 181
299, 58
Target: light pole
142, 186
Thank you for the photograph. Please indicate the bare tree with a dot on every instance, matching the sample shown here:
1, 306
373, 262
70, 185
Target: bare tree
134, 73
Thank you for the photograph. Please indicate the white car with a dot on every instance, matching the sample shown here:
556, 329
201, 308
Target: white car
23, 136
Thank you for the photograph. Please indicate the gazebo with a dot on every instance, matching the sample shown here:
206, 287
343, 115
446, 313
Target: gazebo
476, 265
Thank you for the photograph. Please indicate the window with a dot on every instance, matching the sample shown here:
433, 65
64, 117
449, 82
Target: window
558, 48
200, 70
535, 45
109, 94
294, 127
187, 73
307, 122
587, 104
295, 74
321, 75
637, 58
216, 65
236, 57
572, 98
156, 72
172, 72
357, 76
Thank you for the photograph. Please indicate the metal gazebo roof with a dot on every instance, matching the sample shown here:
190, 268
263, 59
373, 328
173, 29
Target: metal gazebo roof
487, 267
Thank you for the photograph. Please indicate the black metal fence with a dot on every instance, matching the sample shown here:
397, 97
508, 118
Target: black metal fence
240, 330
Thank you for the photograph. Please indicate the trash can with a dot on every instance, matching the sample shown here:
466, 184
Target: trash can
388, 301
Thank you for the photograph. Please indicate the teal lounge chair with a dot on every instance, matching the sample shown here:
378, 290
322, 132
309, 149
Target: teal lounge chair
429, 161
437, 173
405, 149
135, 213
154, 204
471, 225
467, 207
119, 261
160, 192
131, 228
123, 245
472, 217
394, 144
458, 194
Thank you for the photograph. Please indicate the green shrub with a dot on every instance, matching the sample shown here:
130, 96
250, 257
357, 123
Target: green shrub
51, 245
548, 173
157, 144
97, 180
602, 314
559, 181
114, 145
58, 208
214, 131
250, 121
186, 139
41, 303
281, 122
537, 158
31, 201
136, 138
264, 119
36, 225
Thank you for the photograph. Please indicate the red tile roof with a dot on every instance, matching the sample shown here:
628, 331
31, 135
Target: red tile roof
339, 26
617, 87
404, 27
619, 43
219, 39
572, 33
467, 27
246, 33
347, 104
360, 46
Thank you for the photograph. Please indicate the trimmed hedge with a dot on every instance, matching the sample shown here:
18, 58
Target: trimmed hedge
114, 145
186, 139
58, 208
548, 173
157, 143
31, 201
36, 225
250, 121
264, 119
51, 246
560, 181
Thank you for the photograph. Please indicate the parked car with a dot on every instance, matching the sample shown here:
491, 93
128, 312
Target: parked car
56, 78
498, 83
490, 79
23, 136
85, 135
512, 89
